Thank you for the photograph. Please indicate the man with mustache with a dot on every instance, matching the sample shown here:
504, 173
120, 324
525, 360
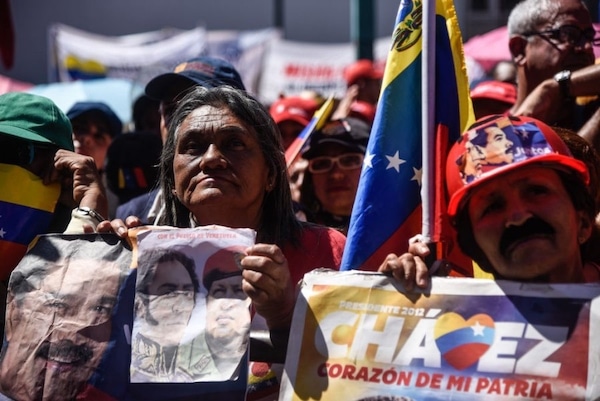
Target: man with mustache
58, 323
529, 220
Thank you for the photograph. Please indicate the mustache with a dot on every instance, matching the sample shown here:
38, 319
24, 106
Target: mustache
532, 226
65, 350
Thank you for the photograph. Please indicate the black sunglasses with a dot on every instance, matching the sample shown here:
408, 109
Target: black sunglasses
569, 34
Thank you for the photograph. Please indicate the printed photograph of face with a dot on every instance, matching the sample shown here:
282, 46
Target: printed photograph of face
59, 319
169, 305
166, 290
227, 313
489, 146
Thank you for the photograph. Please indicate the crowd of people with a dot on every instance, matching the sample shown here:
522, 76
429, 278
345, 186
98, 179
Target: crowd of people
522, 182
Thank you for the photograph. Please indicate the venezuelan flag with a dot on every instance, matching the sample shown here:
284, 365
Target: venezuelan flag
26, 208
387, 210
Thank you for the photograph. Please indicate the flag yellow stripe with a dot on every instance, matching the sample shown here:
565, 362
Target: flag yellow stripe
446, 9
22, 187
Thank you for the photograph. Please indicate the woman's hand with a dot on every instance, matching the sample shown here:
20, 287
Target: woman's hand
408, 268
267, 281
119, 226
80, 181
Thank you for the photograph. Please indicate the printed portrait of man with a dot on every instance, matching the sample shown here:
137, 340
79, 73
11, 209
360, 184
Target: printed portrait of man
227, 315
227, 319
487, 146
58, 320
166, 289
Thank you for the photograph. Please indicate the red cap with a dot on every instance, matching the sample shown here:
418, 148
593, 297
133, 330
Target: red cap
222, 264
294, 108
363, 110
525, 141
363, 68
496, 90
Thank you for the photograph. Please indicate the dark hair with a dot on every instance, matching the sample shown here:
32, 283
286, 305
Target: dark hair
580, 198
308, 197
278, 223
151, 259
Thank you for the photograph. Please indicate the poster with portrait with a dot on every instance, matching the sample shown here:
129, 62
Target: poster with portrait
60, 317
360, 336
191, 317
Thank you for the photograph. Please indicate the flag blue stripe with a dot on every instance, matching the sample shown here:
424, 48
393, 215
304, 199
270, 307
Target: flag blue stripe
20, 224
384, 197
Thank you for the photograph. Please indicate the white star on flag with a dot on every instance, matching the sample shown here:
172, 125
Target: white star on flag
2, 232
368, 162
418, 175
477, 329
395, 161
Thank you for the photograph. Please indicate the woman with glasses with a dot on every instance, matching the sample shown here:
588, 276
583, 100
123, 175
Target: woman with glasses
335, 156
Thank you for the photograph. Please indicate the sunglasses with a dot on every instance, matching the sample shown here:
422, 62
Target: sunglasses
567, 34
323, 164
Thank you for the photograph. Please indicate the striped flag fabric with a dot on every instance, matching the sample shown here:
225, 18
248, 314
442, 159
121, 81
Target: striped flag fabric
316, 123
387, 210
26, 209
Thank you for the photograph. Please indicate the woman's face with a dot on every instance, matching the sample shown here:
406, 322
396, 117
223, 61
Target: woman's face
221, 175
336, 188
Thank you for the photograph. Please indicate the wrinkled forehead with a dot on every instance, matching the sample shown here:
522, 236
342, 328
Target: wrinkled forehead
212, 118
82, 275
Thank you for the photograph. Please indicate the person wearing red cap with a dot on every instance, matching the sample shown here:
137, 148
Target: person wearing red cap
227, 311
506, 218
493, 97
292, 114
366, 77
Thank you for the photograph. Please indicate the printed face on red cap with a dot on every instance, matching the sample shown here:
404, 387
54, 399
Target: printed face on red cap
500, 144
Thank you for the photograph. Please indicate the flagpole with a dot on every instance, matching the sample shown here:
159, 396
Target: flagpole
427, 118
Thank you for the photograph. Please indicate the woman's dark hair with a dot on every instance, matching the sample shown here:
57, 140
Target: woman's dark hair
308, 198
278, 223
581, 199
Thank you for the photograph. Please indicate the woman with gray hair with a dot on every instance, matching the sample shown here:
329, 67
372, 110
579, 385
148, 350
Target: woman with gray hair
223, 163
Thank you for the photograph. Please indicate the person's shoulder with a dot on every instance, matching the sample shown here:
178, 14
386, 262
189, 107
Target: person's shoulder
138, 206
319, 233
319, 246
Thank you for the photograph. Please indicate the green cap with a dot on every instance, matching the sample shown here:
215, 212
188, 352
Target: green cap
35, 118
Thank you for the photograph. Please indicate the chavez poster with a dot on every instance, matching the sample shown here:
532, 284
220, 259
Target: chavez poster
359, 336
191, 316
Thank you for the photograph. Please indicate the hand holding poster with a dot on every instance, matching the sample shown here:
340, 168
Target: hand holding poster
359, 336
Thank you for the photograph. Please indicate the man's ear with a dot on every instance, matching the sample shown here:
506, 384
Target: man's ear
586, 226
517, 45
